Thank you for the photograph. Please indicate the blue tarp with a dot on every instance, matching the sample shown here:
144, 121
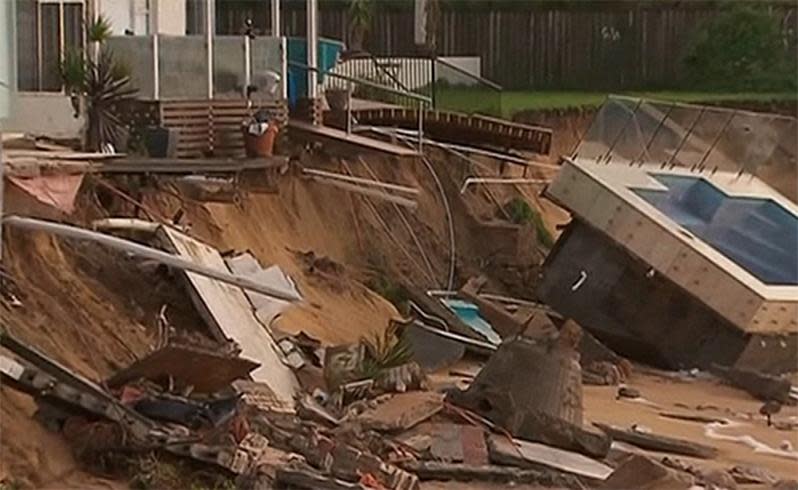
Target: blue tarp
328, 52
469, 313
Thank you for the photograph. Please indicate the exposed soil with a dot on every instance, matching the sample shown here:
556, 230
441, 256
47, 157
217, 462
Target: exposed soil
95, 310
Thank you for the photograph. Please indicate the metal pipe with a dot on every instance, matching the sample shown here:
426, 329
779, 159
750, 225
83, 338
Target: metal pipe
402, 217
449, 219
126, 224
716, 139
420, 127
645, 149
156, 69
349, 90
209, 43
146, 252
375, 193
497, 180
686, 136
247, 65
312, 47
359, 180
468, 74
275, 11
365, 83
698, 106
461, 148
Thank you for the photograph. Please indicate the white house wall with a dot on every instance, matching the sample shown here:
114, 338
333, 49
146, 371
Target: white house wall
47, 114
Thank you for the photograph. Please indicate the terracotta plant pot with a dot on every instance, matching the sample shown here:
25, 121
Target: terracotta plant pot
260, 145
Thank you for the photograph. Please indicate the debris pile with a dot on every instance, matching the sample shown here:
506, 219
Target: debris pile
266, 408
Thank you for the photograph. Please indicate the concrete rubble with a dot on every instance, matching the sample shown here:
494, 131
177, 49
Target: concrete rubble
461, 386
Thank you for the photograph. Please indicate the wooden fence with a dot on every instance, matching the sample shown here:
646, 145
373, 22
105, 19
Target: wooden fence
605, 45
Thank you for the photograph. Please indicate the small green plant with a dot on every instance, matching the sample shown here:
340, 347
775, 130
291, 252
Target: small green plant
522, 213
383, 351
99, 30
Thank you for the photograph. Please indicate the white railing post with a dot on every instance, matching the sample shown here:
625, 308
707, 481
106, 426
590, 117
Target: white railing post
312, 46
209, 28
156, 70
247, 64
349, 90
420, 127
275, 4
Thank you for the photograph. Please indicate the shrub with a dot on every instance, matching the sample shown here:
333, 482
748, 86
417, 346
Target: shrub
521, 213
742, 48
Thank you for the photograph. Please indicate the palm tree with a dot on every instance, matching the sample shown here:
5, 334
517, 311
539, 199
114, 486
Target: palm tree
361, 14
98, 85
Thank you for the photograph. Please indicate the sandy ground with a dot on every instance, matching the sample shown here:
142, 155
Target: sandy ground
660, 393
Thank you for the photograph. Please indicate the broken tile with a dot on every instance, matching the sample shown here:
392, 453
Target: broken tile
637, 471
402, 411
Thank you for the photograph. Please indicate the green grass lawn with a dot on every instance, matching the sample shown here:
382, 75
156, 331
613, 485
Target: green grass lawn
510, 102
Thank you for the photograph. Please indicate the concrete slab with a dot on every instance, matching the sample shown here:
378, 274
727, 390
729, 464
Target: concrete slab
517, 452
227, 309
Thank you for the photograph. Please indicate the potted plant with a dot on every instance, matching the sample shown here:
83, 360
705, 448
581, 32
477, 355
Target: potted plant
98, 85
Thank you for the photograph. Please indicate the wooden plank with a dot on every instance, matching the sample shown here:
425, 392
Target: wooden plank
228, 309
655, 442
327, 133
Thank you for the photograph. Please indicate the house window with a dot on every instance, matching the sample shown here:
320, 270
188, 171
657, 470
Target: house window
46, 29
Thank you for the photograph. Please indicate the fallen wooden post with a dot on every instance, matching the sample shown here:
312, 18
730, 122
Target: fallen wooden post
436, 470
655, 442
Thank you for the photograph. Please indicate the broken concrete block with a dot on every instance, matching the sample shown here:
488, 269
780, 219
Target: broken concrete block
524, 376
525, 454
309, 408
628, 392
766, 387
654, 442
447, 442
602, 373
303, 476
718, 479
350, 463
399, 379
786, 485
534, 390
746, 475
402, 411
642, 473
